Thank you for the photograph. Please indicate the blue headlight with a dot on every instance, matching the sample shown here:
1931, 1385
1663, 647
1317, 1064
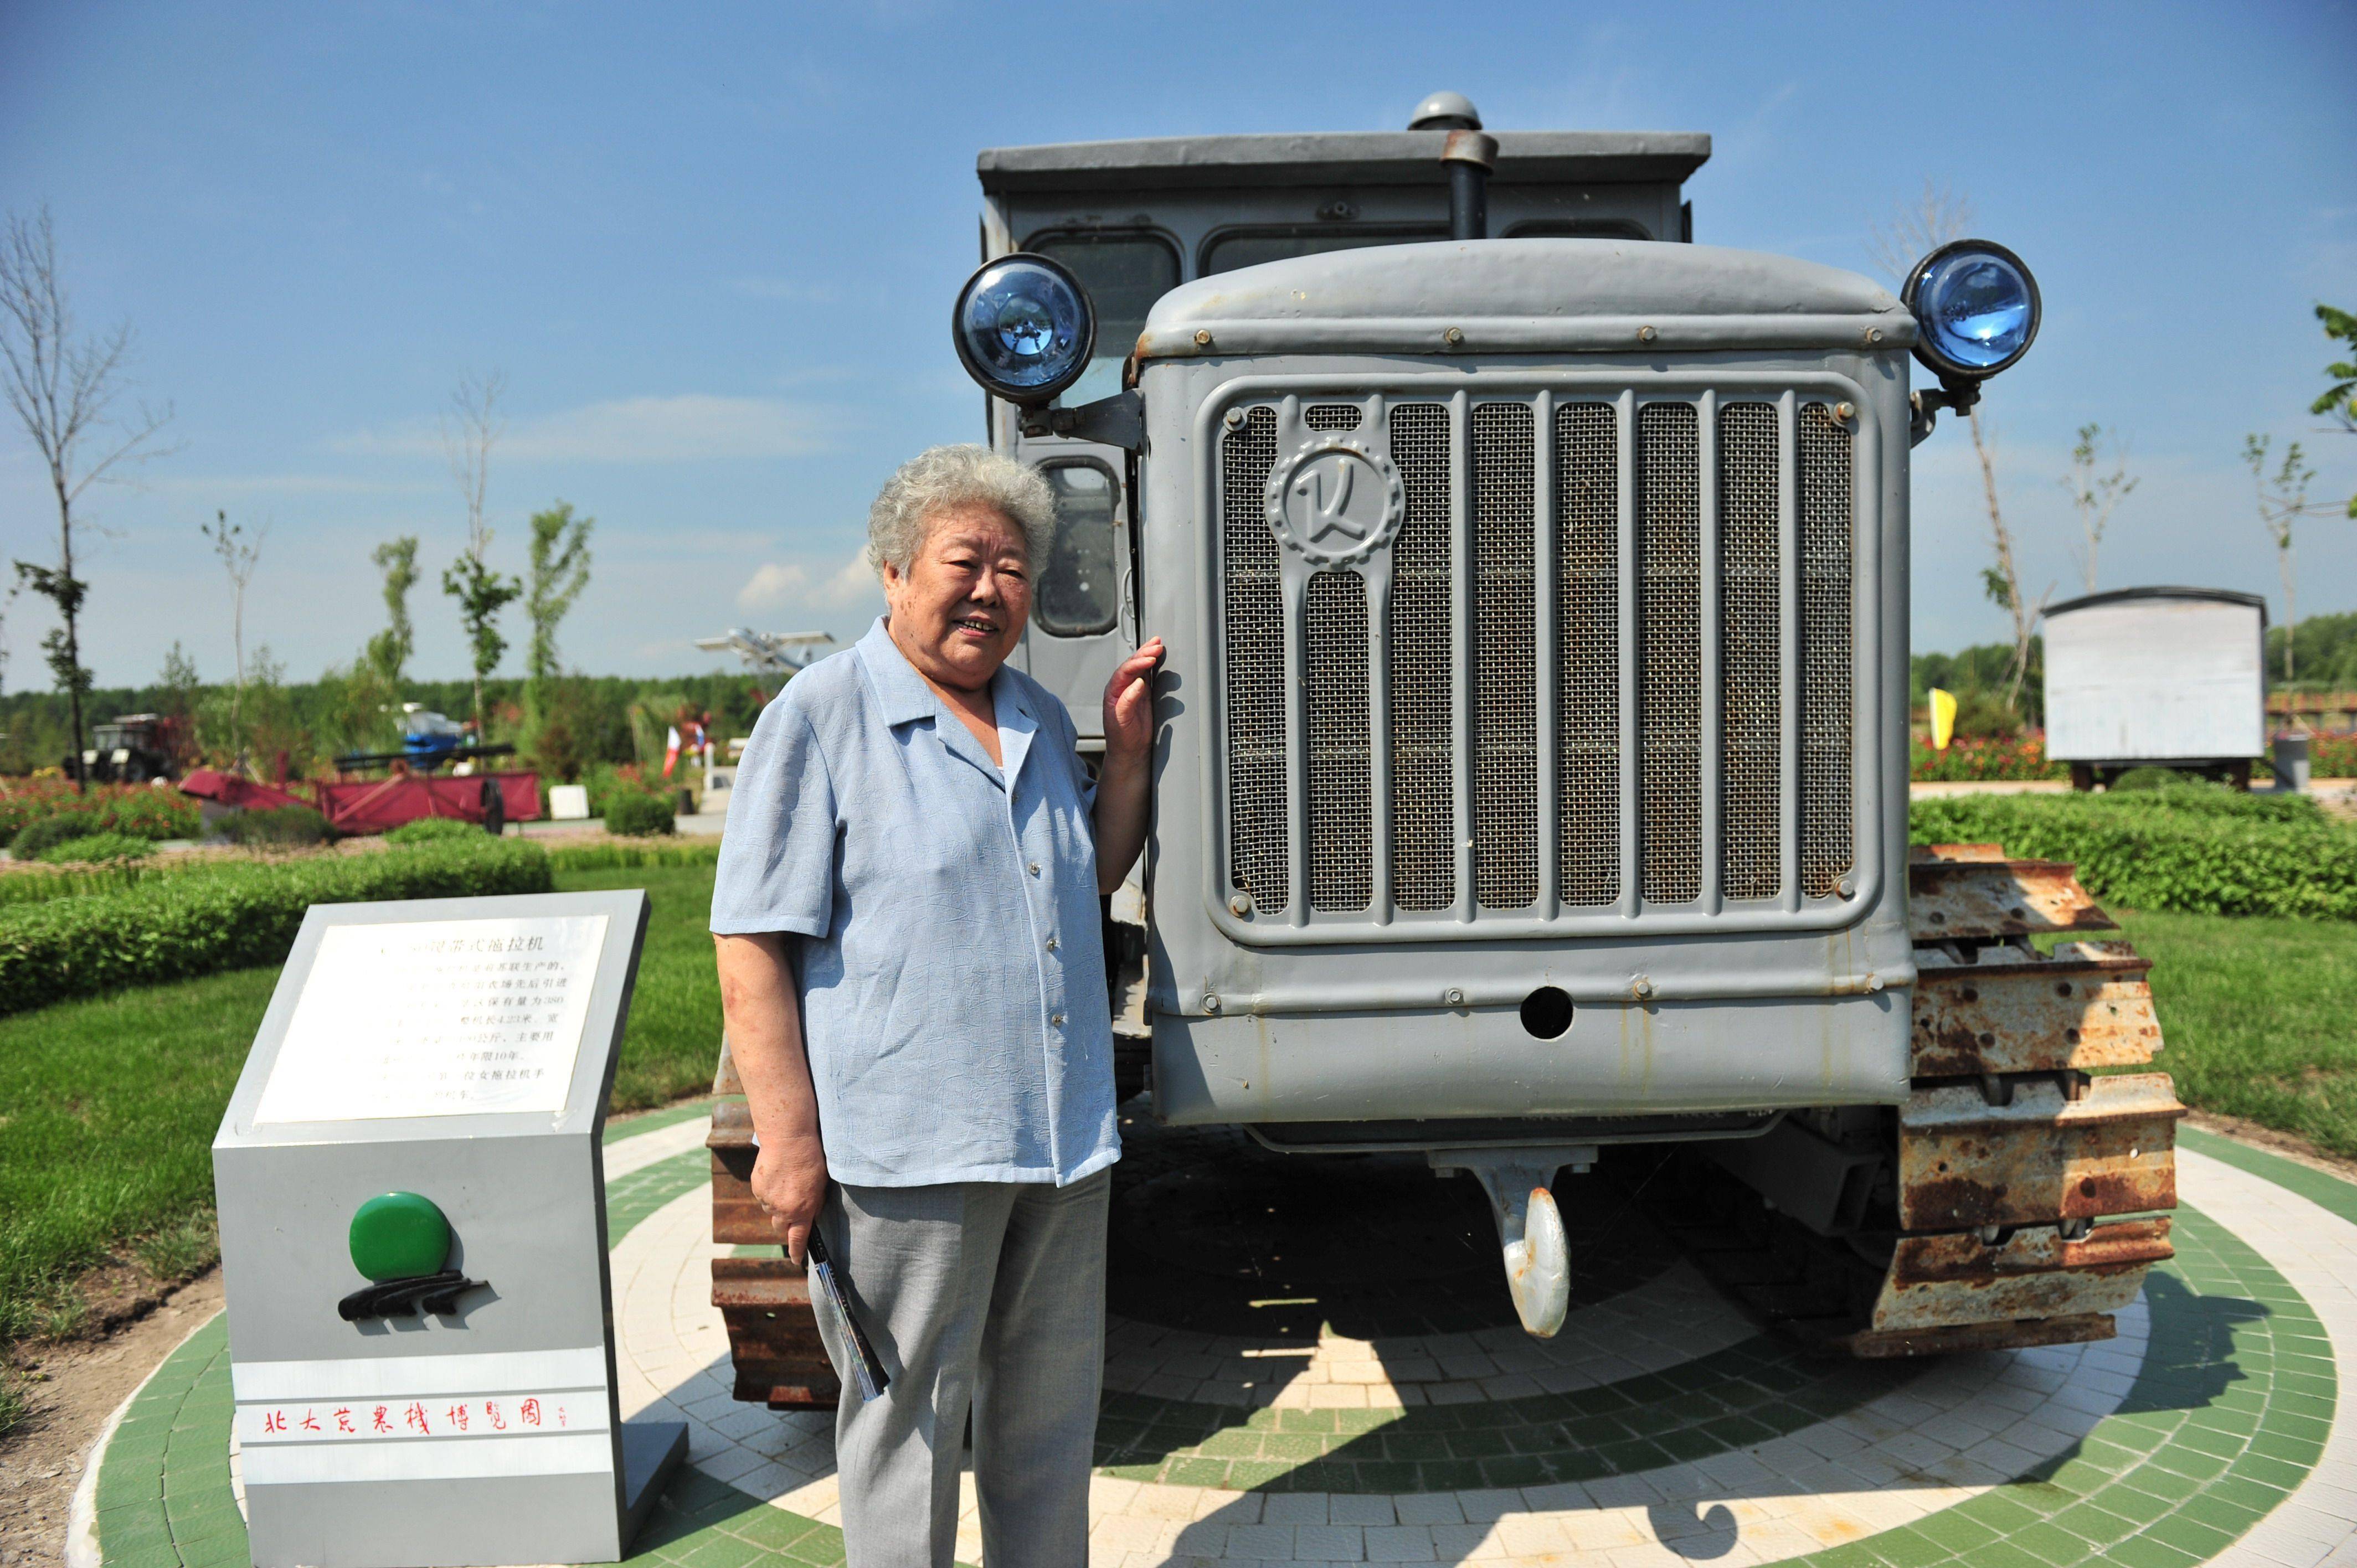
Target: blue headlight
1976, 308
1023, 328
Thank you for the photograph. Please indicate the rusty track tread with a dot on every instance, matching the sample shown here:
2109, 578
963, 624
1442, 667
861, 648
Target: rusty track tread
765, 1302
1975, 898
2086, 1007
1964, 1163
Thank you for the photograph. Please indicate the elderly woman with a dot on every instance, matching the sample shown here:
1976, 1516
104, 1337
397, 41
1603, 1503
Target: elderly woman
910, 965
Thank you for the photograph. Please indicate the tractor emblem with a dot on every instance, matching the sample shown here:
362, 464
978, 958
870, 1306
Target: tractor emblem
1336, 502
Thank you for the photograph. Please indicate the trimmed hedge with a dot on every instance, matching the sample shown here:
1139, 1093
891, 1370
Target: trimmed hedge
2200, 849
276, 826
626, 856
634, 813
98, 847
175, 928
434, 830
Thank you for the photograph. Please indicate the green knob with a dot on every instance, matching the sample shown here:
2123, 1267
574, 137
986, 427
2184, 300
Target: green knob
399, 1236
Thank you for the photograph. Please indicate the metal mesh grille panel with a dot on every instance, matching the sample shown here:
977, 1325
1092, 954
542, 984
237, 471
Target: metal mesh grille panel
1418, 665
1669, 629
1505, 657
1334, 693
1587, 640
1386, 767
1254, 640
1750, 666
1827, 851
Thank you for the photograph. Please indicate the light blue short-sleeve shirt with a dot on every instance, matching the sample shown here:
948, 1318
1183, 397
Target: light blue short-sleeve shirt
952, 970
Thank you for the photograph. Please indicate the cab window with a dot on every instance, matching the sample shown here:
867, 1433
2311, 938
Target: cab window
1224, 252
1079, 590
1125, 275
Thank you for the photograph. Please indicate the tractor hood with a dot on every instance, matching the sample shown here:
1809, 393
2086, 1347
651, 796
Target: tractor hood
1522, 296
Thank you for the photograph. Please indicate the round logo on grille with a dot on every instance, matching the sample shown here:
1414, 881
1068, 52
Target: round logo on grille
1336, 501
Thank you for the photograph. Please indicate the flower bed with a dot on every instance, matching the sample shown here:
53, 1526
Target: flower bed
141, 811
1972, 759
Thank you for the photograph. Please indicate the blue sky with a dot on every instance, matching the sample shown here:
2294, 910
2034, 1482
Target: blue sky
711, 250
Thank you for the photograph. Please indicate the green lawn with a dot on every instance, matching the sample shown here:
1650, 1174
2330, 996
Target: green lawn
2258, 1018
108, 1106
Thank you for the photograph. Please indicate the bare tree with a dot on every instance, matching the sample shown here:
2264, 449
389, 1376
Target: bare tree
472, 427
63, 387
1913, 232
2282, 500
239, 554
2098, 481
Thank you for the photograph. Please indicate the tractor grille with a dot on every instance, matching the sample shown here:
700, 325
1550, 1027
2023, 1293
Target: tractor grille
1545, 698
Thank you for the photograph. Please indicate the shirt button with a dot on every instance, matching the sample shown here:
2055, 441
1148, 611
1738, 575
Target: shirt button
1051, 944
1057, 1019
1033, 868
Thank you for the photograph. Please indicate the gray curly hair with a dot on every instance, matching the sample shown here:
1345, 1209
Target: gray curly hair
943, 478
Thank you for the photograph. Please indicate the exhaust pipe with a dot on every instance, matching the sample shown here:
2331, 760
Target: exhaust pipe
1469, 156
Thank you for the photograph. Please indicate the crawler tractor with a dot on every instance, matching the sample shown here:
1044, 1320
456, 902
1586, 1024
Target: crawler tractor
1531, 778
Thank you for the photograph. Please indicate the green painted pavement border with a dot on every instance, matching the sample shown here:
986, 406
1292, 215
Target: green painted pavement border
656, 1121
2334, 1194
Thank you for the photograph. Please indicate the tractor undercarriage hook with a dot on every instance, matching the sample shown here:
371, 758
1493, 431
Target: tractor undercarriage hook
1536, 1255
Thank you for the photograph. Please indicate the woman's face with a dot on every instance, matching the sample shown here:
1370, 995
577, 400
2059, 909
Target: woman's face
958, 610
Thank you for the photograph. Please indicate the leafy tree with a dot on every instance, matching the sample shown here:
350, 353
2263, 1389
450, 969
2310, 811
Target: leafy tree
470, 428
2283, 499
481, 593
389, 651
560, 570
62, 387
2340, 403
2098, 481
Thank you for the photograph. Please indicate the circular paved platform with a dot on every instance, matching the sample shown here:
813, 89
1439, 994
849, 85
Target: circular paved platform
1323, 1366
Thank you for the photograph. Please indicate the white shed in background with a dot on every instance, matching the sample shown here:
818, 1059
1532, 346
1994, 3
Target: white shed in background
2174, 676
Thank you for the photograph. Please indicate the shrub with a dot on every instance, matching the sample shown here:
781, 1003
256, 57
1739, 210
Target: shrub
635, 813
38, 838
98, 847
175, 927
2137, 778
434, 830
275, 825
2202, 849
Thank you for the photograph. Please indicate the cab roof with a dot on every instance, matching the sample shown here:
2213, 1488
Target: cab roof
1349, 157
1512, 295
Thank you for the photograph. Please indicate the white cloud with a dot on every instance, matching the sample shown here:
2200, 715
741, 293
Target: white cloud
852, 584
774, 583
693, 427
778, 584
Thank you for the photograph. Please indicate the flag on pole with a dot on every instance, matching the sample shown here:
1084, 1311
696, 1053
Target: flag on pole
1944, 718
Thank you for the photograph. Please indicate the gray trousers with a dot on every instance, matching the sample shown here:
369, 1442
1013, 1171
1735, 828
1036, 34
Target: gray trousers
982, 1294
